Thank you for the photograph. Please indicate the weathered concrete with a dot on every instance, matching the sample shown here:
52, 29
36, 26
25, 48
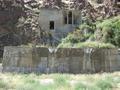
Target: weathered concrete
62, 60
58, 16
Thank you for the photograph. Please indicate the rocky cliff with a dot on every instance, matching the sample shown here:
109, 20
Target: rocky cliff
18, 18
10, 12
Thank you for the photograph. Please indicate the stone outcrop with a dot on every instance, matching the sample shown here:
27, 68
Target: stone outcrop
101, 9
19, 18
61, 60
21, 15
10, 12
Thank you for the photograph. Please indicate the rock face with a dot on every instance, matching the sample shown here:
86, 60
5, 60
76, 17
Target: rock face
19, 18
21, 15
10, 12
53, 60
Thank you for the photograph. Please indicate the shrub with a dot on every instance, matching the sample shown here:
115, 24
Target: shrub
108, 33
110, 30
85, 26
74, 37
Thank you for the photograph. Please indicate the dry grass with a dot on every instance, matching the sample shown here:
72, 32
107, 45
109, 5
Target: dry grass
105, 81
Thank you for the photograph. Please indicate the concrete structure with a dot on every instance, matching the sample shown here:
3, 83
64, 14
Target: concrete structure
59, 17
62, 60
58, 20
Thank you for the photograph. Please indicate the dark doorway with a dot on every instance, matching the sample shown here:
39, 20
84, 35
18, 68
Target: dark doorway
70, 17
52, 25
65, 19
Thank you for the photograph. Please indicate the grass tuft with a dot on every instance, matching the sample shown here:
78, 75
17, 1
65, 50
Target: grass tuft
105, 81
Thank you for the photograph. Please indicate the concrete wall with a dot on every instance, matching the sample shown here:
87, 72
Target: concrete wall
57, 15
66, 60
47, 15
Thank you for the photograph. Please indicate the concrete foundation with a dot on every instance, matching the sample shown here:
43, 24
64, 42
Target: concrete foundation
61, 60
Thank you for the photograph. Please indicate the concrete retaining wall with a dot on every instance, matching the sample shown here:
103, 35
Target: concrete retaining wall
62, 60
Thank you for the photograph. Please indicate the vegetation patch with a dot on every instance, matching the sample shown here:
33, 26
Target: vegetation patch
87, 44
109, 31
101, 34
105, 81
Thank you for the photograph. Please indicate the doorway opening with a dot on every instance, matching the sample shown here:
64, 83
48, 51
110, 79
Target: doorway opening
52, 25
70, 17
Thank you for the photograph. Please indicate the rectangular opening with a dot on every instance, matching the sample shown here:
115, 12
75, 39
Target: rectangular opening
52, 25
70, 17
65, 20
